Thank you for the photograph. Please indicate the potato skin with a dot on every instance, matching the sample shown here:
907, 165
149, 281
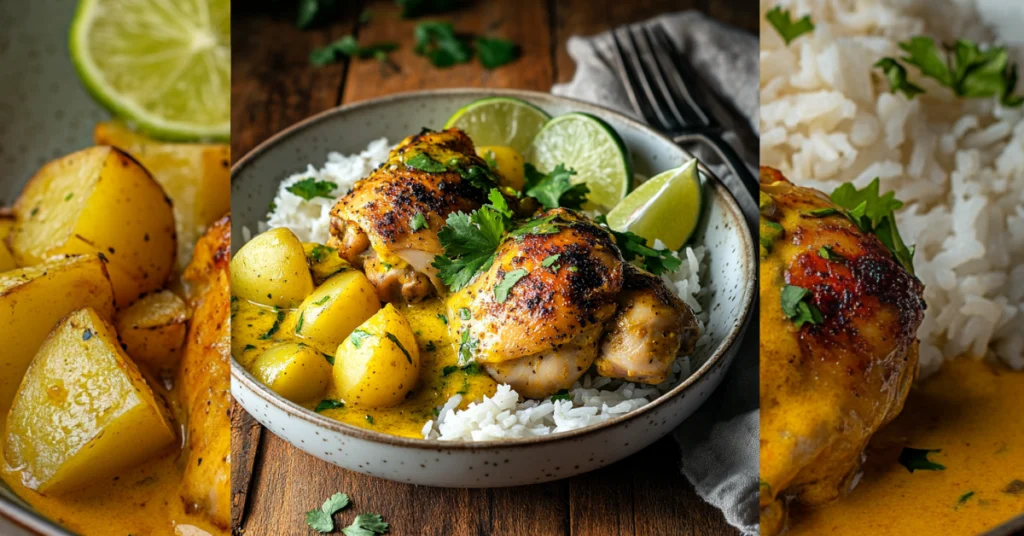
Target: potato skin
271, 269
334, 309
293, 370
153, 329
55, 434
34, 299
98, 201
379, 362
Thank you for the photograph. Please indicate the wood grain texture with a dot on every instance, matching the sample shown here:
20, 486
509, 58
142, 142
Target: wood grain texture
273, 86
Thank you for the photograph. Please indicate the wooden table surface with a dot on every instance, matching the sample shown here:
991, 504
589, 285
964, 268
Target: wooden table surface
273, 86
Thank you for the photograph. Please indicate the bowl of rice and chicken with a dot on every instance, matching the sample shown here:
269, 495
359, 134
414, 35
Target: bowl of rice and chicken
442, 303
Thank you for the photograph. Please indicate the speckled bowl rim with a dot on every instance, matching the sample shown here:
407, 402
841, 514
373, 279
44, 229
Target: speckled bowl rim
749, 265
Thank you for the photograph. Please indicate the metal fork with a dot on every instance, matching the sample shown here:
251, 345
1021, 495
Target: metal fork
645, 61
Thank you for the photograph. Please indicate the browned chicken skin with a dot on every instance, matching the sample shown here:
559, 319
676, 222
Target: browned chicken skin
205, 379
826, 388
375, 219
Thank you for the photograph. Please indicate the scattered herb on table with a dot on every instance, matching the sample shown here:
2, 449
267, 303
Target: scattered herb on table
796, 305
440, 44
495, 52
349, 47
368, 524
554, 189
329, 404
311, 188
322, 520
876, 214
917, 460
788, 29
313, 11
510, 279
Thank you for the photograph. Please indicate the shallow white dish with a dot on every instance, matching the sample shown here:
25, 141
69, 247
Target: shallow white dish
731, 273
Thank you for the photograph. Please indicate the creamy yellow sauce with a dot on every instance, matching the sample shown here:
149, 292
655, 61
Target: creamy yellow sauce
252, 321
972, 411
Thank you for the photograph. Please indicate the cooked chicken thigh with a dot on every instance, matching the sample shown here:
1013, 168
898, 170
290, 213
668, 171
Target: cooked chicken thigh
826, 385
388, 224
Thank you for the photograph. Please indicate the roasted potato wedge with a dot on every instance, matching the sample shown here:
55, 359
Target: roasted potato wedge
379, 362
334, 309
83, 410
153, 329
293, 370
323, 261
98, 201
271, 269
195, 175
34, 299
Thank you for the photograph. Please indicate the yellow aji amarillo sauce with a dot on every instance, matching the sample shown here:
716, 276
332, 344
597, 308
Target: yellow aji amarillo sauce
432, 390
971, 410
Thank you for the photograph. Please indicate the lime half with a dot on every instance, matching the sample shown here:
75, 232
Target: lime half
164, 66
591, 147
667, 207
499, 121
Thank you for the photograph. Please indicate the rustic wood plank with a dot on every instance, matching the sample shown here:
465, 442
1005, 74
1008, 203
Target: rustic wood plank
525, 23
245, 444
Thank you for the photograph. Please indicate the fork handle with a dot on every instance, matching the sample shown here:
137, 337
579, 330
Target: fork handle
728, 155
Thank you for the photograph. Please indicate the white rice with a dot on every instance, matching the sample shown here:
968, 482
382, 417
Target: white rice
958, 164
505, 415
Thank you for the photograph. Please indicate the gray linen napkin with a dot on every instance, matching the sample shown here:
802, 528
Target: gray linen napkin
720, 442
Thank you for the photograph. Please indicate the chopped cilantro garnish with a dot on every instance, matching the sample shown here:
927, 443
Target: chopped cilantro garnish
430, 346
464, 313
494, 52
561, 395
329, 358
440, 44
555, 189
796, 305
320, 252
634, 247
329, 404
423, 162
502, 289
897, 77
311, 188
298, 326
469, 370
917, 460
827, 253
443, 319
418, 8
536, 226
419, 221
369, 419
368, 524
467, 347
321, 520
875, 214
786, 26
323, 300
491, 161
552, 259
249, 347
273, 329
358, 336
821, 212
470, 242
391, 337
963, 498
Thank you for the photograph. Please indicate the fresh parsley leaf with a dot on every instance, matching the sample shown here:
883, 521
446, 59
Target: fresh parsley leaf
552, 259
502, 289
423, 162
875, 214
797, 307
786, 26
555, 189
477, 176
897, 77
329, 404
917, 460
273, 329
418, 8
349, 47
358, 336
561, 395
419, 221
368, 524
320, 252
311, 188
320, 520
498, 203
365, 16
494, 52
391, 337
439, 43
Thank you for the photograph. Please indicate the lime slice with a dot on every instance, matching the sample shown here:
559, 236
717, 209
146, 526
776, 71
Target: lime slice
591, 147
499, 121
667, 207
164, 66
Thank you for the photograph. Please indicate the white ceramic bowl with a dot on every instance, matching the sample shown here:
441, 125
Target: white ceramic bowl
348, 129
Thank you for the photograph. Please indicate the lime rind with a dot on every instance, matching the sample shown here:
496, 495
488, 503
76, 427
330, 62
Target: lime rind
593, 148
503, 121
667, 207
169, 77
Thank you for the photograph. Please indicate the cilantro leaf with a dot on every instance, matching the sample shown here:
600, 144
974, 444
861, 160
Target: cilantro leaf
311, 11
821, 212
327, 404
368, 524
321, 520
358, 336
917, 460
827, 253
874, 214
555, 189
470, 242
470, 369
963, 498
349, 47
391, 337
925, 56
419, 221
273, 329
552, 259
797, 307
634, 247
536, 226
320, 251
439, 43
502, 289
423, 162
784, 24
494, 52
311, 188
562, 394
897, 77
491, 161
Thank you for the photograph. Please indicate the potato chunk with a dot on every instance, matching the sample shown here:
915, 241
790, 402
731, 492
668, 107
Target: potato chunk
379, 362
34, 299
6, 260
195, 175
83, 411
271, 269
98, 201
153, 329
334, 309
294, 371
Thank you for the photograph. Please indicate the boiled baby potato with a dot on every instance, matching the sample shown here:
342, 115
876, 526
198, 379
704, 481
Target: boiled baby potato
271, 269
334, 309
153, 329
34, 299
83, 411
507, 162
6, 223
98, 201
293, 370
323, 261
379, 362
196, 176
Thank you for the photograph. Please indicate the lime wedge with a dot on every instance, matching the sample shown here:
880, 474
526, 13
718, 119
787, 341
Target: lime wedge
163, 66
667, 207
499, 121
591, 147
